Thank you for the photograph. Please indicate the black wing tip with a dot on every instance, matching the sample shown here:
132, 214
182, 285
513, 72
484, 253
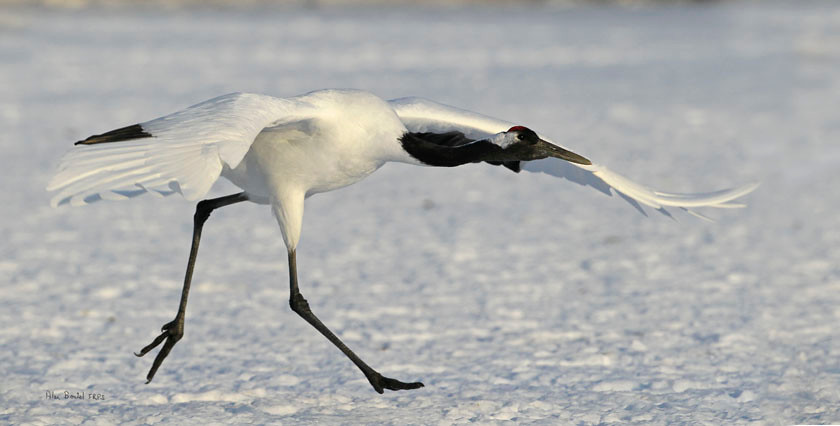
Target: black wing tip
135, 131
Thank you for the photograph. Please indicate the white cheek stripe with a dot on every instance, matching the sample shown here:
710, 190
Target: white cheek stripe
502, 139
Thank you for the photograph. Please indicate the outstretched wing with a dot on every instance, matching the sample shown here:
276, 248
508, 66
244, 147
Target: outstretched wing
182, 152
423, 115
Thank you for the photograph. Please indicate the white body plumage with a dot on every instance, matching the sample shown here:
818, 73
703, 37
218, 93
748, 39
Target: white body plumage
352, 134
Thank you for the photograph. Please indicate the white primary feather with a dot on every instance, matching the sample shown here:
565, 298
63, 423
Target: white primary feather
185, 154
423, 115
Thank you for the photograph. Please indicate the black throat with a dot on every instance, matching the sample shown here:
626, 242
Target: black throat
449, 149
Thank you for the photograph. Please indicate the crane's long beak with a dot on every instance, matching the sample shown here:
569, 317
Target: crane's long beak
551, 150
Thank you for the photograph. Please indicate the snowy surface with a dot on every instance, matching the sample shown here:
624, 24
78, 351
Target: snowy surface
512, 297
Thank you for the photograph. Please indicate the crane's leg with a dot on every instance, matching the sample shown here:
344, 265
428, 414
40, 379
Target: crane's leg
301, 307
174, 330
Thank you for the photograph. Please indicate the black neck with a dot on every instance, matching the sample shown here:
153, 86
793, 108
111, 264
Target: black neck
448, 149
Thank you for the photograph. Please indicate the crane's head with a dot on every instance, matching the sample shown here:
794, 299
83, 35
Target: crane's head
523, 144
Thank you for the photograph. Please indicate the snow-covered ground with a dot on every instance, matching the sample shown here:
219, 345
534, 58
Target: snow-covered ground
512, 297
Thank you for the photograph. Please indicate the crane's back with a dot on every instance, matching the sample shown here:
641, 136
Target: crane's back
352, 134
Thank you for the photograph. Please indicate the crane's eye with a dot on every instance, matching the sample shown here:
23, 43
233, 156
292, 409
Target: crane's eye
520, 137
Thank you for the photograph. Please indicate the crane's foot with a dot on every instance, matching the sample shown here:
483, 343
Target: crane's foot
172, 333
380, 383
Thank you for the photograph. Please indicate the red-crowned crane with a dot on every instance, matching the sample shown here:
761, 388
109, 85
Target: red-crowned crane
280, 151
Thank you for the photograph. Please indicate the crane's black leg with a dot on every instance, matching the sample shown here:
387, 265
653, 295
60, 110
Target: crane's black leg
301, 307
174, 330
